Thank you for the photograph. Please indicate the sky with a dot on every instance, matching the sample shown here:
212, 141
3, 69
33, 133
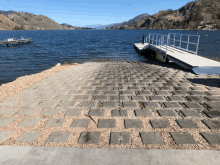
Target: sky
91, 12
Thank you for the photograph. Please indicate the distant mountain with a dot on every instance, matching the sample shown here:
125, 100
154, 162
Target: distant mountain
7, 12
99, 26
195, 15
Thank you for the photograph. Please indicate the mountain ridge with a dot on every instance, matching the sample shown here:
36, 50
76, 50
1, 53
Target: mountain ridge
195, 15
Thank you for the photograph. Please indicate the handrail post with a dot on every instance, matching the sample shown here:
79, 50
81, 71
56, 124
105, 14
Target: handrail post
160, 44
156, 40
197, 45
180, 40
153, 38
174, 39
149, 39
166, 46
188, 44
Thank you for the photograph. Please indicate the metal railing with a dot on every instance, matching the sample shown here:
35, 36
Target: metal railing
161, 40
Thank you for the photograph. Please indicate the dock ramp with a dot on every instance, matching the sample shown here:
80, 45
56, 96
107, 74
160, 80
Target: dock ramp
181, 50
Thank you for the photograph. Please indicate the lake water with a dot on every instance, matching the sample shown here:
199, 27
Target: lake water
58, 46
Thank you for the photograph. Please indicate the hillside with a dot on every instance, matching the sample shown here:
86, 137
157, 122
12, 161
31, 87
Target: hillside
7, 24
195, 15
131, 21
34, 22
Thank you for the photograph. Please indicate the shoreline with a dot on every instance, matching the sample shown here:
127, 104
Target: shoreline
21, 83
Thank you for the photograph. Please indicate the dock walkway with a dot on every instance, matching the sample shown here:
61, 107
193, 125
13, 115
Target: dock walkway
7, 42
186, 58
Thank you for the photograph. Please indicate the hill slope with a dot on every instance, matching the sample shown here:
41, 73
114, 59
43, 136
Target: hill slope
34, 22
7, 24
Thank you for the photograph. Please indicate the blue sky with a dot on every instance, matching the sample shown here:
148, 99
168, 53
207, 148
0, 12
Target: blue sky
90, 12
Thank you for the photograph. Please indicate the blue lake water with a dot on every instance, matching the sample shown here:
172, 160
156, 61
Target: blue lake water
58, 46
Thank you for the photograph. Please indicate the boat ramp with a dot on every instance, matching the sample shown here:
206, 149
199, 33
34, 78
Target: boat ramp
178, 48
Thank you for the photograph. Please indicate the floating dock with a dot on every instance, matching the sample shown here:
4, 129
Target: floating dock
14, 41
185, 58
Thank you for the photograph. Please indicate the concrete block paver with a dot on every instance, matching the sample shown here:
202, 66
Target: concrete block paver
133, 123
9, 103
29, 111
51, 111
76, 92
8, 111
68, 104
110, 92
192, 105
29, 122
164, 113
110, 104
190, 113
59, 137
29, 103
82, 97
93, 92
212, 138
80, 123
194, 98
183, 138
141, 98
176, 98
97, 112
196, 93
29, 136
142, 113
48, 103
55, 123
157, 98
160, 123
126, 104
171, 105
151, 138
162, 93
179, 93
89, 104
64, 97
185, 123
213, 105
74, 112
213, 98
6, 121
212, 124
151, 105
100, 97
119, 113
212, 113
120, 138
106, 123
4, 135
90, 137
144, 93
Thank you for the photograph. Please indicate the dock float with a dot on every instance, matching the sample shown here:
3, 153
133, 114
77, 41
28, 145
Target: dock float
170, 47
14, 41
